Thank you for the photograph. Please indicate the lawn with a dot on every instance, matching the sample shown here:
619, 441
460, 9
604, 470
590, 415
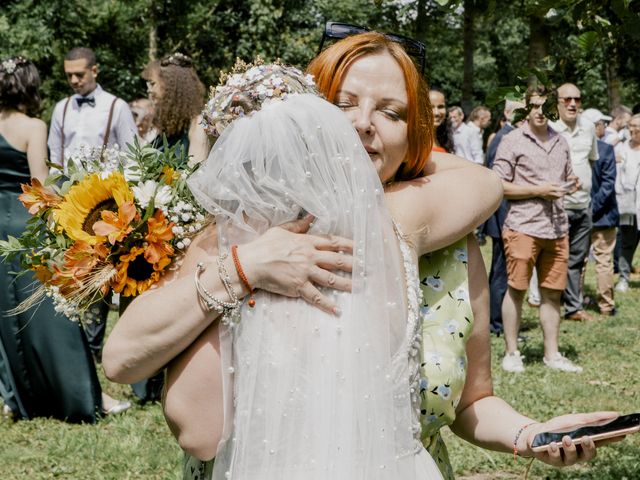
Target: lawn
138, 445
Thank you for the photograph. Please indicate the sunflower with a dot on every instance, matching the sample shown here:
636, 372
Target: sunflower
135, 273
83, 204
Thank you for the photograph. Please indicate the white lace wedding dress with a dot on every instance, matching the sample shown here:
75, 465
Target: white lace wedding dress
313, 396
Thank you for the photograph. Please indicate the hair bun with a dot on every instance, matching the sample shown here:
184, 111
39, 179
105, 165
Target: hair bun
247, 88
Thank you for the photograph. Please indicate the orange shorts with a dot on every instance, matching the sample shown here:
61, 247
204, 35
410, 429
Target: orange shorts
549, 256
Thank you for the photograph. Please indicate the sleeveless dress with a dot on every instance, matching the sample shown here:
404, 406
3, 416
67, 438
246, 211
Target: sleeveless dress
447, 325
46, 368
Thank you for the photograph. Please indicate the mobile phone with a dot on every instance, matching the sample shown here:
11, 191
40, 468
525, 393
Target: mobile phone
623, 425
568, 186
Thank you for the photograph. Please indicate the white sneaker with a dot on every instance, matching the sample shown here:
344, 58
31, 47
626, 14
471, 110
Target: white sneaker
560, 362
622, 285
512, 362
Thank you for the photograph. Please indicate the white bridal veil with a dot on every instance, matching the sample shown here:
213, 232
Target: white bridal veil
310, 395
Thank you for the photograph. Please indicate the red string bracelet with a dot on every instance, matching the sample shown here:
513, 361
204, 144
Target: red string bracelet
243, 277
517, 437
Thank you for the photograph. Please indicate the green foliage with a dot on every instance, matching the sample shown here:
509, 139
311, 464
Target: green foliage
582, 36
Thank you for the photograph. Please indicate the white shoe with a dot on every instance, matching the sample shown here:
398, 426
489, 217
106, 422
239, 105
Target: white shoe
562, 363
622, 285
512, 362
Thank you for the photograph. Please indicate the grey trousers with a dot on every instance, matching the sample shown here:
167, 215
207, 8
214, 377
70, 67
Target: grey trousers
579, 242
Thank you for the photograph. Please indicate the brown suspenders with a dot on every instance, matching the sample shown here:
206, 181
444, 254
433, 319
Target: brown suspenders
106, 133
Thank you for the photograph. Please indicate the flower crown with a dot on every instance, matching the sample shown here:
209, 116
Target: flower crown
247, 88
10, 64
178, 59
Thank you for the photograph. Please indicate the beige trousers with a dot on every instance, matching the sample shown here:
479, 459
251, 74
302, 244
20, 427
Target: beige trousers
604, 241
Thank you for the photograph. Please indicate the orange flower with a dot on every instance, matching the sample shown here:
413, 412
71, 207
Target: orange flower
42, 273
136, 274
169, 175
116, 227
37, 197
81, 258
160, 232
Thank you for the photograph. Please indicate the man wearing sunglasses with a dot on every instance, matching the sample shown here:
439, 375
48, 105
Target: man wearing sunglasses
582, 139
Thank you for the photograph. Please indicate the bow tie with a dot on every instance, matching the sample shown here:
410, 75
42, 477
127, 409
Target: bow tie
91, 101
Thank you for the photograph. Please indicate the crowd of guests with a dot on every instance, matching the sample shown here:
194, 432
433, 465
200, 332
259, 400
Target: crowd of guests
570, 195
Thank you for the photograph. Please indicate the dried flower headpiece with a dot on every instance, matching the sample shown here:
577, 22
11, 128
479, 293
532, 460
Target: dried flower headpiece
10, 64
177, 59
247, 88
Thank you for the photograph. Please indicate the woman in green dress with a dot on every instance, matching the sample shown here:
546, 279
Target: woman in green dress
46, 369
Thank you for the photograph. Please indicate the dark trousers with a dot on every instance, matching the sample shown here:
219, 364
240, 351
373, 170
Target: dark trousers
579, 242
497, 282
629, 236
95, 326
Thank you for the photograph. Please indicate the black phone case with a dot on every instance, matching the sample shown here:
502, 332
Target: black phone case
620, 423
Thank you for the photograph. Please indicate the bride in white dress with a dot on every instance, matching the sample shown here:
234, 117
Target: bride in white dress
310, 395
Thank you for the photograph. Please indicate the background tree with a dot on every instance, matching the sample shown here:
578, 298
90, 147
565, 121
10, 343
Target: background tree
590, 42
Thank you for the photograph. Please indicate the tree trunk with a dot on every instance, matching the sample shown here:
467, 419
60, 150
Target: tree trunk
468, 44
613, 80
538, 40
420, 31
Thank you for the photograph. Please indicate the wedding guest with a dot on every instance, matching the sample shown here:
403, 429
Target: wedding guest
443, 139
46, 369
627, 188
617, 132
461, 133
91, 117
479, 120
535, 232
142, 110
581, 136
178, 96
604, 214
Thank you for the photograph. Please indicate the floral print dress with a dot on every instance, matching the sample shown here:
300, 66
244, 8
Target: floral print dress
447, 324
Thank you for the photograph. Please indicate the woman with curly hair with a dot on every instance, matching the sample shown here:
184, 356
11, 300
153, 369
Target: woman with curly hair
46, 368
178, 97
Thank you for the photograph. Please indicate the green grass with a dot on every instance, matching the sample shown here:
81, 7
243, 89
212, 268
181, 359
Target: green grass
138, 445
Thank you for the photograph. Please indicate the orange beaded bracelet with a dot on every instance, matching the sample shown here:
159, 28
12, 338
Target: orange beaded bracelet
241, 274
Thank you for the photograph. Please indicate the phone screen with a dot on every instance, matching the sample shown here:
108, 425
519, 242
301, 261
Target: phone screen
624, 422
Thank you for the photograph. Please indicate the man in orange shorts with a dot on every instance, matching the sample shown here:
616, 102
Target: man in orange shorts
535, 166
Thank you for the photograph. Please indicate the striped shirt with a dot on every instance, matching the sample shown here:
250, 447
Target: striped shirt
522, 159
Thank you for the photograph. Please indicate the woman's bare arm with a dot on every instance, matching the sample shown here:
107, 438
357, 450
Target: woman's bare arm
193, 405
37, 150
436, 210
163, 322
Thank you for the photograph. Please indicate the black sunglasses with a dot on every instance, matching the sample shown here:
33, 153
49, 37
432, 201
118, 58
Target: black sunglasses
338, 30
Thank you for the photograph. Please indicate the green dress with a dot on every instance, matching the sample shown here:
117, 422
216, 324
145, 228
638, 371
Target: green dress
447, 325
46, 369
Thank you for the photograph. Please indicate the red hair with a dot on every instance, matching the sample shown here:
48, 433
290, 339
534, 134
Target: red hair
330, 67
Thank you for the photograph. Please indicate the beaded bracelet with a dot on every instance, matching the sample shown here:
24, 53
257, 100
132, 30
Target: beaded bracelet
229, 310
517, 437
241, 274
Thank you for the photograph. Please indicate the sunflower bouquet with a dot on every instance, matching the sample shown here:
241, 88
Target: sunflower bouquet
116, 221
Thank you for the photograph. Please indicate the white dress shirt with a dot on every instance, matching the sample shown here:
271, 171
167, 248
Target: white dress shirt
85, 125
475, 142
583, 144
462, 141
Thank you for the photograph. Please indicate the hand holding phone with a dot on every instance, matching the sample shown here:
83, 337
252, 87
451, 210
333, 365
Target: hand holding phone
568, 186
619, 427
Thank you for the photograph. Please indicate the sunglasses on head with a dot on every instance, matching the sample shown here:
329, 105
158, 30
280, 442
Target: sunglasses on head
338, 30
567, 100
